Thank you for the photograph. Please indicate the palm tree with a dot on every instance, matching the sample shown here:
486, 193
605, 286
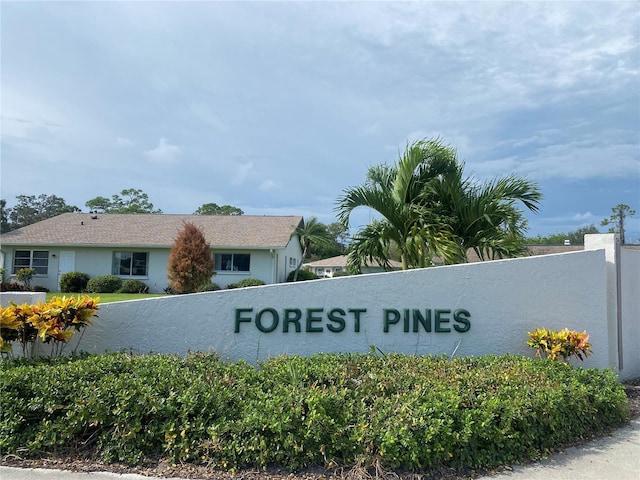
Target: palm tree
485, 216
310, 232
428, 209
394, 192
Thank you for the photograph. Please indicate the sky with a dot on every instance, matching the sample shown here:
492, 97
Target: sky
278, 107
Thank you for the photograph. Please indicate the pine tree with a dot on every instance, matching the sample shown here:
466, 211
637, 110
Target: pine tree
191, 264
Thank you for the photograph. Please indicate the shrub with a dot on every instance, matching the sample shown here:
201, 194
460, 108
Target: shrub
25, 275
565, 343
190, 262
73, 282
104, 284
247, 282
54, 322
210, 287
40, 288
303, 275
13, 287
394, 410
133, 285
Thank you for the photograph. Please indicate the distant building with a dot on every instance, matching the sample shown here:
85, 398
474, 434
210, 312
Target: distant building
329, 267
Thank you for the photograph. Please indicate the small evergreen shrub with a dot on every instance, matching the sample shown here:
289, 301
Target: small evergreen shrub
133, 285
303, 275
74, 282
104, 284
210, 287
40, 288
247, 282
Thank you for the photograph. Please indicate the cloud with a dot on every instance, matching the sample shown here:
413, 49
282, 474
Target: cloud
267, 185
242, 173
577, 160
164, 152
123, 142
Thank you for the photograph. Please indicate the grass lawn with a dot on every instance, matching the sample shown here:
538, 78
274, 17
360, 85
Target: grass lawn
108, 297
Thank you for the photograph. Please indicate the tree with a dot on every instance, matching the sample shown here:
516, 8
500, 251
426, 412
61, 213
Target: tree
616, 220
575, 237
428, 209
191, 263
215, 209
130, 200
31, 209
309, 232
99, 204
4, 216
332, 243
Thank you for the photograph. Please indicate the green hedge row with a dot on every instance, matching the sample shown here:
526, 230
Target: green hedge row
393, 410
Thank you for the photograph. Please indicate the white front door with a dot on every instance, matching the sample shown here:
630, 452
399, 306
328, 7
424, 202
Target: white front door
66, 263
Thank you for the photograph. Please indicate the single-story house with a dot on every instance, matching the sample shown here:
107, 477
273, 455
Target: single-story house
328, 267
138, 246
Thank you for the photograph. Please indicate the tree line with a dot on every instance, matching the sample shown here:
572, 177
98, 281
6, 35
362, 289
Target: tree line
30, 209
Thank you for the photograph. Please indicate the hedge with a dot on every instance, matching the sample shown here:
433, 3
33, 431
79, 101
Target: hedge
394, 411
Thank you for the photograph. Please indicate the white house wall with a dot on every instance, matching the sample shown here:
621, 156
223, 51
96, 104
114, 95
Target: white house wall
503, 300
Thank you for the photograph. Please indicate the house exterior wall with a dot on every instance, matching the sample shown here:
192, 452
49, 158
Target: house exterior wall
285, 266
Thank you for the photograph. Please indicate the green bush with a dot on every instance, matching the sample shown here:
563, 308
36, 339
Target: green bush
247, 282
133, 285
75, 282
394, 411
303, 275
104, 284
210, 287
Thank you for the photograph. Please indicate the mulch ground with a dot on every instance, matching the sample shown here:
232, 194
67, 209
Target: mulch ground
88, 462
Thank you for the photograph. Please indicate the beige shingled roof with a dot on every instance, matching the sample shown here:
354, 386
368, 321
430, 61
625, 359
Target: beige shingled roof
154, 230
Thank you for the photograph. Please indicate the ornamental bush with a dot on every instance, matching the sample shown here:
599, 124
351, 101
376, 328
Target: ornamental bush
392, 411
190, 263
302, 276
555, 344
104, 284
209, 287
247, 282
73, 282
53, 323
133, 285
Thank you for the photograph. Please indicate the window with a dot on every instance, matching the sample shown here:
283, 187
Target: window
133, 264
237, 262
319, 271
36, 259
293, 263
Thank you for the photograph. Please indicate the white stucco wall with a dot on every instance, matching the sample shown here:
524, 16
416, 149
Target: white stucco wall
630, 276
505, 300
19, 298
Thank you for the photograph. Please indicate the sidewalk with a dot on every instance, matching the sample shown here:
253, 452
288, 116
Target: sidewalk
614, 457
